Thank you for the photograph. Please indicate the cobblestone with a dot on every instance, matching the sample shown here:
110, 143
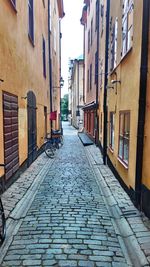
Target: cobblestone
68, 222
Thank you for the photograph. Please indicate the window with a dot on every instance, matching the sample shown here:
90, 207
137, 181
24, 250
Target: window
101, 74
114, 45
111, 130
97, 15
31, 22
90, 76
96, 67
88, 81
13, 3
124, 134
91, 31
88, 40
43, 3
102, 19
44, 57
127, 26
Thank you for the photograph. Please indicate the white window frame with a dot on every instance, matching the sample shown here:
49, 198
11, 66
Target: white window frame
127, 26
114, 45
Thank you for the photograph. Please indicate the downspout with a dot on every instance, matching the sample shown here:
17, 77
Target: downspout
97, 77
105, 84
78, 62
84, 67
142, 101
49, 60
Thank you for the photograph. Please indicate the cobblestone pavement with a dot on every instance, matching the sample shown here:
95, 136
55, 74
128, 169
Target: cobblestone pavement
61, 212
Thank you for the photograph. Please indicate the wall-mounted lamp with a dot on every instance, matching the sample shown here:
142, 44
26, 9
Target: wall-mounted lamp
115, 81
108, 87
61, 82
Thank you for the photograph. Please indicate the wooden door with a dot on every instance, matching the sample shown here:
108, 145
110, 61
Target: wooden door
10, 124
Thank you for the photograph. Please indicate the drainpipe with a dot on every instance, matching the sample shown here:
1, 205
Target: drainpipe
97, 80
142, 101
50, 60
105, 84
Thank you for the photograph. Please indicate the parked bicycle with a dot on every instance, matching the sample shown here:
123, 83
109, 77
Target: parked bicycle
53, 143
2, 220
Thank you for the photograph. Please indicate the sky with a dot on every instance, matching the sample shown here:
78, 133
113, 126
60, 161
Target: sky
72, 36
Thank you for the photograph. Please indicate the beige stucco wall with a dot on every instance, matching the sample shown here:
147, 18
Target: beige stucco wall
21, 66
125, 96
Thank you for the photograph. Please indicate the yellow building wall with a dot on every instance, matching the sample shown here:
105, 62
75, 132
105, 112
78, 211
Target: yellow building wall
125, 96
55, 56
21, 67
146, 148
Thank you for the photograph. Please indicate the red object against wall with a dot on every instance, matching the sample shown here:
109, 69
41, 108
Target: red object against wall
53, 116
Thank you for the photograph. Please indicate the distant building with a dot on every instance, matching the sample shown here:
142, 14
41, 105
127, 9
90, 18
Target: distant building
76, 92
89, 20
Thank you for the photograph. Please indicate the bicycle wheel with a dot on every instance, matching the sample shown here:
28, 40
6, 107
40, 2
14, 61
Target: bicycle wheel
49, 149
2, 223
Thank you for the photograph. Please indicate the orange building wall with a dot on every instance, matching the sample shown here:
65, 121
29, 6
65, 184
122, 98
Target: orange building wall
21, 66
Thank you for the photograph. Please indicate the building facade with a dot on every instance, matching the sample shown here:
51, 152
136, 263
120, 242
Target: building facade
56, 14
123, 91
24, 83
90, 21
76, 92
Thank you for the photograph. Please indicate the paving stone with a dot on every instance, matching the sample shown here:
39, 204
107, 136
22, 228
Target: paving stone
68, 223
31, 262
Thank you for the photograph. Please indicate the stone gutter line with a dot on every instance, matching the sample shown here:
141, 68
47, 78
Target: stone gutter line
133, 253
17, 215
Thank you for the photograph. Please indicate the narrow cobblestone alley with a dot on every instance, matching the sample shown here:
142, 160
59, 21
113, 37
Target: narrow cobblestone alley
68, 223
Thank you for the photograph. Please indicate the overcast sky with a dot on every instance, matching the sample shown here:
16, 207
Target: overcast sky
72, 36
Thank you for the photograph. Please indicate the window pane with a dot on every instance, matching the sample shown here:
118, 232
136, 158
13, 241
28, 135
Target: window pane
121, 147
126, 150
126, 126
121, 124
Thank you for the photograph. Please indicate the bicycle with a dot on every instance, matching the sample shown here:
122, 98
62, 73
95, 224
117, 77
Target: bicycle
53, 143
2, 220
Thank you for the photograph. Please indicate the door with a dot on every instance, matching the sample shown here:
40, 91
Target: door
10, 124
32, 130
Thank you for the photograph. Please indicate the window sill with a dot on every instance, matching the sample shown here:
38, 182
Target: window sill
30, 39
125, 55
13, 6
111, 149
123, 163
114, 69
